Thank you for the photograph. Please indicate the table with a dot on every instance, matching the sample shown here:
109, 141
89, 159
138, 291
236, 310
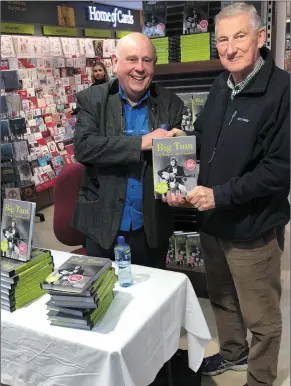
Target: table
138, 334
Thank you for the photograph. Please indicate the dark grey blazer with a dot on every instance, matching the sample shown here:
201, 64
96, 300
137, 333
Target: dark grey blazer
108, 155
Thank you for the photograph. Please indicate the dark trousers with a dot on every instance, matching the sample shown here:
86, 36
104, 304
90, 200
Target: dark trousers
141, 253
244, 288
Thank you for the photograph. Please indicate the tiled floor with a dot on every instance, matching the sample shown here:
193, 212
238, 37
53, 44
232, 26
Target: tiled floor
44, 237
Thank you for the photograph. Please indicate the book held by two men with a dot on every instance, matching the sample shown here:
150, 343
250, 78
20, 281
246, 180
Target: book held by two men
174, 165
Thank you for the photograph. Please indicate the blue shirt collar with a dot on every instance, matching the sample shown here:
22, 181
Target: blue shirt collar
123, 96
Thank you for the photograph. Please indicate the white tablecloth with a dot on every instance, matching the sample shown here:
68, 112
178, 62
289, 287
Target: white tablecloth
138, 334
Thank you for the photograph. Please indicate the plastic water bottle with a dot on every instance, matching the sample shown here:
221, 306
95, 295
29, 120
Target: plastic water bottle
123, 260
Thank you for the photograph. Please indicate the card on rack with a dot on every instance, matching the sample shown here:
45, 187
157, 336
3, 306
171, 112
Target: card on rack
58, 83
24, 170
22, 62
42, 127
98, 47
61, 62
81, 87
14, 104
38, 135
70, 71
41, 73
23, 94
65, 81
78, 79
23, 74
56, 117
4, 129
7, 46
49, 99
26, 83
37, 112
71, 99
39, 93
29, 115
31, 122
61, 147
63, 72
56, 73
69, 62
53, 108
89, 71
39, 121
41, 102
40, 62
32, 73
71, 81
70, 149
33, 103
12, 62
85, 79
52, 147
49, 72
42, 161
48, 62
67, 159
20, 150
6, 152
30, 92
48, 118
56, 46
10, 79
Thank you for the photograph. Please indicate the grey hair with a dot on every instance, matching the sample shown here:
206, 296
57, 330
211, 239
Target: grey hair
237, 8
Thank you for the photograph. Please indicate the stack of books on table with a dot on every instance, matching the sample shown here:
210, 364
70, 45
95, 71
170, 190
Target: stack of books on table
81, 291
20, 281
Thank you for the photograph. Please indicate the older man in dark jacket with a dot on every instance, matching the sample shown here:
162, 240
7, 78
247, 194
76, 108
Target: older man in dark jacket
113, 139
244, 132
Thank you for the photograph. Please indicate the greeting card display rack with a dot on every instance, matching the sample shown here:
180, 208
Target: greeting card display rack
39, 81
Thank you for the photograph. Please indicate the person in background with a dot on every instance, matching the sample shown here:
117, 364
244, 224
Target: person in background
244, 182
115, 126
100, 74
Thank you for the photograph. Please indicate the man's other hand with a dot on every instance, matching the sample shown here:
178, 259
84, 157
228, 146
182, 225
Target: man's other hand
174, 199
146, 140
178, 133
201, 198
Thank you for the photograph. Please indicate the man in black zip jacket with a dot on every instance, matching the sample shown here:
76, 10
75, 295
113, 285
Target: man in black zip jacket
244, 136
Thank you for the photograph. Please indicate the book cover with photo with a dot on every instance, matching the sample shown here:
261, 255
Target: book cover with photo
76, 274
196, 17
17, 229
199, 100
187, 116
194, 254
174, 165
154, 19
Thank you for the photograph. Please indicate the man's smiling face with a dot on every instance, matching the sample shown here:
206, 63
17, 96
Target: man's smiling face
135, 66
238, 44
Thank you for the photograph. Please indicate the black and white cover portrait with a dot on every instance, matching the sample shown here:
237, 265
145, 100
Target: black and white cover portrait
195, 17
14, 232
154, 19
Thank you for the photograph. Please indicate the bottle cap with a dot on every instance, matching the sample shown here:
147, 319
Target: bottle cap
120, 240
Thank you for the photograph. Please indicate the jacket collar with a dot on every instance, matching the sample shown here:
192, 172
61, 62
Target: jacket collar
260, 81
